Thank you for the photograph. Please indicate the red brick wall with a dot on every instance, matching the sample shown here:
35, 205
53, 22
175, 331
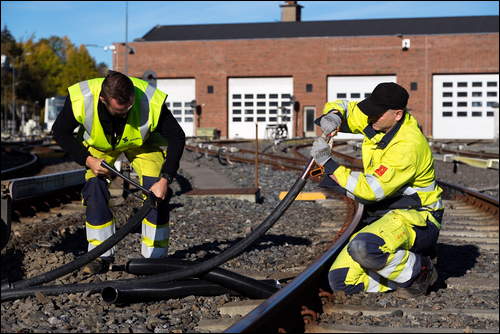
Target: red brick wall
311, 61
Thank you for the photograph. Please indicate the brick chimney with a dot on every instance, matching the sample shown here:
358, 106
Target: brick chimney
290, 12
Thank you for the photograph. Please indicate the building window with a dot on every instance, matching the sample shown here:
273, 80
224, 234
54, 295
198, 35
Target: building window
236, 96
447, 104
447, 84
341, 95
447, 114
491, 94
413, 86
462, 94
447, 94
236, 104
477, 114
477, 94
261, 119
237, 111
477, 84
462, 84
261, 104
236, 119
273, 96
355, 95
178, 104
309, 88
462, 114
210, 89
491, 84
477, 104
462, 104
248, 96
490, 114
261, 96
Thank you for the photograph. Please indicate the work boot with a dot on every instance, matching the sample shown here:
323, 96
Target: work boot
427, 276
98, 266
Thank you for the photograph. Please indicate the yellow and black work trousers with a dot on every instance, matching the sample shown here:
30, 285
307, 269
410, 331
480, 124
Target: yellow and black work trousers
386, 254
100, 221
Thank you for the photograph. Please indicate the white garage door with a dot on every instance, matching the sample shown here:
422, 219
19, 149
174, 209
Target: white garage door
180, 94
462, 106
354, 89
265, 101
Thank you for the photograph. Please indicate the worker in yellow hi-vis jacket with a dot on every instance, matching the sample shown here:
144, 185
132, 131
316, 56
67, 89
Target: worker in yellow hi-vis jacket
398, 189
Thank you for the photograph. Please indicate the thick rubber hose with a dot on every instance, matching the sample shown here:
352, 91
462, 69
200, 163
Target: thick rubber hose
189, 272
244, 285
94, 253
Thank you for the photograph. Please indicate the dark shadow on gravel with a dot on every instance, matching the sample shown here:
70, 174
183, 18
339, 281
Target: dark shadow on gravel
184, 184
454, 261
212, 249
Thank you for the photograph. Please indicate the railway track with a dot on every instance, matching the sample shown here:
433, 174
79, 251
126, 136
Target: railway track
304, 304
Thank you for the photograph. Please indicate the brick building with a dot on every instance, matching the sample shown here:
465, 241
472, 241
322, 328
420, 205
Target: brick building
243, 74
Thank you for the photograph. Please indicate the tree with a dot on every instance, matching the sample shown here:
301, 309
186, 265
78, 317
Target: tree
54, 65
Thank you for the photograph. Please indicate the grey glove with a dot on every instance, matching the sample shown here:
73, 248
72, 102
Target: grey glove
330, 123
320, 151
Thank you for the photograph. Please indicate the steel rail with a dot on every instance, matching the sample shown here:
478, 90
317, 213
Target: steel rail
280, 312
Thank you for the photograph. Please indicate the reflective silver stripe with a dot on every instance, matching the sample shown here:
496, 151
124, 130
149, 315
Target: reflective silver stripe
88, 100
352, 181
96, 236
391, 266
156, 234
408, 191
345, 105
375, 186
145, 102
405, 275
373, 282
430, 187
436, 205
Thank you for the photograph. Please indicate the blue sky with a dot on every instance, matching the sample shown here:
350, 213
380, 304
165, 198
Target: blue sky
104, 22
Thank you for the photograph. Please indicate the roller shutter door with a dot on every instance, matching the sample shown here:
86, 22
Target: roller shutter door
180, 94
462, 106
265, 101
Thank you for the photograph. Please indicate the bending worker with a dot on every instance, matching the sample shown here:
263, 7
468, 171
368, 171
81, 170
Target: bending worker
399, 191
116, 115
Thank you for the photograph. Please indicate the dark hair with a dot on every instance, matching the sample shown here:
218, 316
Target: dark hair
117, 86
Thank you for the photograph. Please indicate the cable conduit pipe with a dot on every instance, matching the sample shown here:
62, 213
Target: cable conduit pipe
195, 270
162, 291
244, 285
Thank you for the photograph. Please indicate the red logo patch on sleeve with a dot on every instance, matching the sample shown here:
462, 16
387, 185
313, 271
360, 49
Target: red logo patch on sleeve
381, 170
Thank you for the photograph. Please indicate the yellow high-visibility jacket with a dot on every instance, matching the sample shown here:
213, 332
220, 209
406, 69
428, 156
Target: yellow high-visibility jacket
398, 165
142, 119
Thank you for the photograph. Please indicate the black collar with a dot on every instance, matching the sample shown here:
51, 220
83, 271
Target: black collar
370, 132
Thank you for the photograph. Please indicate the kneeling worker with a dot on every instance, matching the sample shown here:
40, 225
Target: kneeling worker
397, 187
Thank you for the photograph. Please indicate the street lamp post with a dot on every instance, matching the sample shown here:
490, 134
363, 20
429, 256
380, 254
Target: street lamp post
6, 128
14, 92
